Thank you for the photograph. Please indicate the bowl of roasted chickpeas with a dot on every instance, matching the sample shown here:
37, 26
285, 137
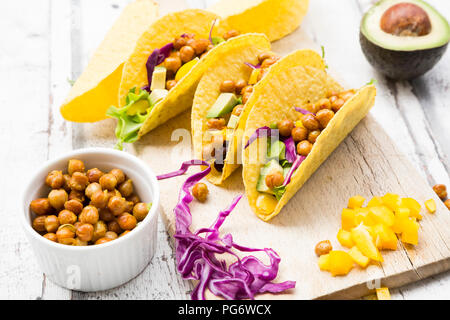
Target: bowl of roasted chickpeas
91, 218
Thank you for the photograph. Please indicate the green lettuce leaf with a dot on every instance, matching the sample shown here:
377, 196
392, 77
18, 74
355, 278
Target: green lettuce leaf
279, 191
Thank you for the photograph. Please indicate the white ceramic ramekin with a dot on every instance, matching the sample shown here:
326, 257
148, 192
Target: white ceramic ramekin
105, 266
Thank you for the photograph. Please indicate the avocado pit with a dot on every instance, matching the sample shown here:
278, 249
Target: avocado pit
406, 19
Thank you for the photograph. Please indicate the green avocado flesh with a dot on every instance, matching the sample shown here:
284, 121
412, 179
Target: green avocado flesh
277, 150
223, 105
267, 169
159, 78
403, 57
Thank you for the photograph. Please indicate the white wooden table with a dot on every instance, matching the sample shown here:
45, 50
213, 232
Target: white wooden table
47, 43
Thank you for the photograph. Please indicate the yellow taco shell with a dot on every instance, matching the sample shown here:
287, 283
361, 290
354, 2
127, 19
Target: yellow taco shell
97, 87
230, 66
299, 85
274, 18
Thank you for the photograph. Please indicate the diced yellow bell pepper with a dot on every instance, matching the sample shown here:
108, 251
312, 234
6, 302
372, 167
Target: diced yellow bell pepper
185, 68
362, 216
392, 201
410, 232
356, 202
345, 238
382, 215
358, 257
363, 240
375, 202
324, 262
430, 205
385, 237
340, 263
401, 215
254, 76
413, 206
348, 219
383, 294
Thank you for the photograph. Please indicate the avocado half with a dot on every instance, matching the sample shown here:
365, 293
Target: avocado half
403, 39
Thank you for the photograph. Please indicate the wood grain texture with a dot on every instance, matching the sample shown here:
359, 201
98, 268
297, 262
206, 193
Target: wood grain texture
51, 41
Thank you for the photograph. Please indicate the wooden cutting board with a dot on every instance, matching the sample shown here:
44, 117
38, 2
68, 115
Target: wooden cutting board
366, 163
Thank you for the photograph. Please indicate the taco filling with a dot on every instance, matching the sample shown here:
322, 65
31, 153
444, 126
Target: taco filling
223, 116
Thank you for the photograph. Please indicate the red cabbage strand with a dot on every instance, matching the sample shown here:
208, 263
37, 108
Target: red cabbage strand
157, 57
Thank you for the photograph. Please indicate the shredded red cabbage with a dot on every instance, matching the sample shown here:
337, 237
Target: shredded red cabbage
298, 161
211, 30
304, 111
262, 132
157, 57
196, 255
253, 66
291, 152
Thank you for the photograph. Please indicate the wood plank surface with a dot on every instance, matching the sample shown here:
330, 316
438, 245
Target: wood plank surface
50, 41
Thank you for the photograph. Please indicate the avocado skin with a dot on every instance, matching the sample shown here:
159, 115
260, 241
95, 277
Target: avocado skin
400, 65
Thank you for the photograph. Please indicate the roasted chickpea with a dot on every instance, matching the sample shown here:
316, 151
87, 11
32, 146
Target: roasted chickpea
245, 97
117, 205
247, 89
67, 217
129, 206
268, 62
89, 215
75, 166
140, 210
323, 247
337, 104
108, 181
102, 240
441, 191
41, 206
79, 243
187, 53
313, 135
57, 198
78, 181
447, 203
237, 110
91, 189
77, 195
172, 64
85, 232
66, 234
66, 179
261, 74
94, 175
200, 46
199, 191
216, 123
115, 227
240, 84
111, 235
264, 55
134, 198
178, 43
285, 127
55, 179
100, 229
323, 103
106, 215
227, 86
39, 223
304, 148
299, 134
274, 179
51, 223
170, 84
331, 93
77, 224
347, 94
324, 116
51, 236
310, 122
126, 188
230, 34
126, 221
74, 205
100, 199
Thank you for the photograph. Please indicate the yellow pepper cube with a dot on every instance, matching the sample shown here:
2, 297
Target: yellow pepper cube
348, 219
383, 294
413, 206
401, 215
356, 202
358, 257
430, 205
382, 215
385, 237
362, 216
324, 262
340, 263
184, 70
410, 232
392, 201
375, 202
364, 241
345, 238
254, 76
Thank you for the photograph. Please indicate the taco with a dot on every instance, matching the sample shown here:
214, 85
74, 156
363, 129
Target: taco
300, 117
160, 78
97, 87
